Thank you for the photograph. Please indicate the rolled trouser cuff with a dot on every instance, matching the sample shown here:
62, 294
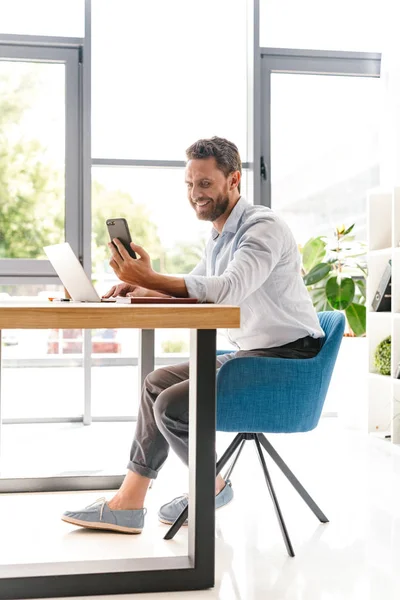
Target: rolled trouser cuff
141, 470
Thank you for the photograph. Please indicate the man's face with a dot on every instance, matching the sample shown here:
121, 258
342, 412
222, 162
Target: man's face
207, 188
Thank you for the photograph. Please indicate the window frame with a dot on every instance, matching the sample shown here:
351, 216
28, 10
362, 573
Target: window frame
67, 51
303, 62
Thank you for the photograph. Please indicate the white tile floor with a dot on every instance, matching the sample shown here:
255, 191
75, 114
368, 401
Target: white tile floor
355, 480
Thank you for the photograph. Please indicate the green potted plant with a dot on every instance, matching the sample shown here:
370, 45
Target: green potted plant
335, 276
383, 356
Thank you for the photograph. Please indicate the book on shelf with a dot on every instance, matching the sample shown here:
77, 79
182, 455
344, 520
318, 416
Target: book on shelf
382, 301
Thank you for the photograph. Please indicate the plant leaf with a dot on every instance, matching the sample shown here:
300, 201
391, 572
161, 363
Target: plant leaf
362, 269
360, 283
319, 299
357, 317
349, 229
317, 273
355, 255
313, 253
340, 292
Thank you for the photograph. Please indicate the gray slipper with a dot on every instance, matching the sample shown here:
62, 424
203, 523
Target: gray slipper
99, 516
169, 512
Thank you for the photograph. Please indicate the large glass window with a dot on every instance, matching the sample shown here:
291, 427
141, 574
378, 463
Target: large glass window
32, 157
165, 74
358, 25
324, 151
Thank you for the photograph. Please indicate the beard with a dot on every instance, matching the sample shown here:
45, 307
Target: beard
213, 210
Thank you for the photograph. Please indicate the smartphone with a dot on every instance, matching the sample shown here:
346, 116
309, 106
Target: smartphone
118, 228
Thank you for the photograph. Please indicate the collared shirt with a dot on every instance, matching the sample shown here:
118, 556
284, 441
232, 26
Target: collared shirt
255, 264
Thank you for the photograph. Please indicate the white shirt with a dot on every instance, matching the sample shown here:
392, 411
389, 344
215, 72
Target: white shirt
255, 264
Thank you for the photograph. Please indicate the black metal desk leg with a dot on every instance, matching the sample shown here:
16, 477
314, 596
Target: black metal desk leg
202, 453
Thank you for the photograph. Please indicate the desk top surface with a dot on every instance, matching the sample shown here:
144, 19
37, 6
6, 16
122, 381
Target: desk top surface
136, 316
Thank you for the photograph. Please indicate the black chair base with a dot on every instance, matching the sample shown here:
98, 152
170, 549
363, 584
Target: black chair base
259, 440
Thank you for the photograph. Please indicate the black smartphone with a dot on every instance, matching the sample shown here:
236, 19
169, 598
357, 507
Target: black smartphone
118, 228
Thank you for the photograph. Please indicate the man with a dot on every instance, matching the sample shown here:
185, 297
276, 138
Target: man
251, 260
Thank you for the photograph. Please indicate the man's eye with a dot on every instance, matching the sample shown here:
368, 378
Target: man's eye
205, 183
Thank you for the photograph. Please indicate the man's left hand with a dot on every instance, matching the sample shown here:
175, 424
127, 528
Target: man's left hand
137, 271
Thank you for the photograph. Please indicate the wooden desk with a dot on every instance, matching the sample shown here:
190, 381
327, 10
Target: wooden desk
195, 571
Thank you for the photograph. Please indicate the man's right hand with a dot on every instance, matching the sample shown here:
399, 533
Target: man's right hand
122, 289
126, 289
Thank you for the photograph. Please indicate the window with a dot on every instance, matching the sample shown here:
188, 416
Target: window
32, 158
324, 151
40, 170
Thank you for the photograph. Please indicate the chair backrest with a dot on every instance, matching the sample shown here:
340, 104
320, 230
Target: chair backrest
333, 323
278, 395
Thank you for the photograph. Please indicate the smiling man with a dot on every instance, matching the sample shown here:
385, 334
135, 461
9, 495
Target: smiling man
251, 260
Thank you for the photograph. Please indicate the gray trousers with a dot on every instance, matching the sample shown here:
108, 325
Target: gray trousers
163, 420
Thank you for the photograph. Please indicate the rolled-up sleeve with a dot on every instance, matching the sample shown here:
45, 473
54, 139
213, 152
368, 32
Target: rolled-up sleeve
194, 281
259, 250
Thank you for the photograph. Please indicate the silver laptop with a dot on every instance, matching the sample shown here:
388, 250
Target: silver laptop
72, 275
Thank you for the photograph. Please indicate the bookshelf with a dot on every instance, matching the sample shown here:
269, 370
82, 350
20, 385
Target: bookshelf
383, 225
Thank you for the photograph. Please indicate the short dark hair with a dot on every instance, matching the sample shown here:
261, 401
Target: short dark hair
225, 153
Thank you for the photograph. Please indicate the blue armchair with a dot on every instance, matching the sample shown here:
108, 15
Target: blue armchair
274, 395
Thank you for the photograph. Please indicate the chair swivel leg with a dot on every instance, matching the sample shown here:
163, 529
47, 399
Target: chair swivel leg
271, 490
229, 471
291, 477
220, 465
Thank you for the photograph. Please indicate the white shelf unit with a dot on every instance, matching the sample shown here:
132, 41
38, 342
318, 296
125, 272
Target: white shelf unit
383, 223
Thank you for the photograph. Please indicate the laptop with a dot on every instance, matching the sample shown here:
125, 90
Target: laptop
79, 286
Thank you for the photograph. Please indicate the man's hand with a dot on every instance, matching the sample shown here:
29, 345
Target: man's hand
122, 289
133, 271
144, 292
137, 272
134, 291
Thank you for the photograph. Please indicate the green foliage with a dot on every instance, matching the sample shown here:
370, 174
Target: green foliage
356, 317
340, 292
174, 346
115, 203
106, 203
382, 356
313, 253
317, 273
31, 190
334, 278
184, 257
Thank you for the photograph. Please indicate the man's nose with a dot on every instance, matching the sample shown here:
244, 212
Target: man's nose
195, 193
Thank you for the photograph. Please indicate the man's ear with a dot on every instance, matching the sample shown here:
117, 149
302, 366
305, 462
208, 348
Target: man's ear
235, 179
